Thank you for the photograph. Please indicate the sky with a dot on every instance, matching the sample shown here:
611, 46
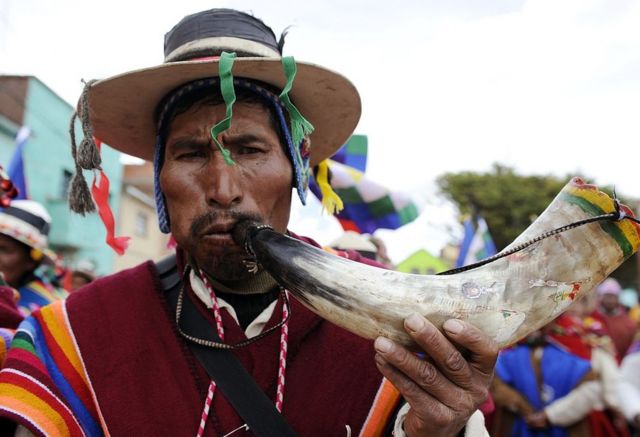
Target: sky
543, 86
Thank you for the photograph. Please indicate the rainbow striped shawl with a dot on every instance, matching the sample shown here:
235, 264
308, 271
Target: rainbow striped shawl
38, 293
91, 366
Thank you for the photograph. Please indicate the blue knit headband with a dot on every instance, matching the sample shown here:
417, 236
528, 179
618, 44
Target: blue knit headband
298, 154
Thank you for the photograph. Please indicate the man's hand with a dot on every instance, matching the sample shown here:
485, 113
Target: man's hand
446, 387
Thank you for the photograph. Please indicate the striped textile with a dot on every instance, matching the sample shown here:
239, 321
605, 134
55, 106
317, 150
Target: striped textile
44, 383
36, 294
384, 406
594, 202
5, 340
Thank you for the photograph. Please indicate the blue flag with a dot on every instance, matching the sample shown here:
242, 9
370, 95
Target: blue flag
15, 171
477, 243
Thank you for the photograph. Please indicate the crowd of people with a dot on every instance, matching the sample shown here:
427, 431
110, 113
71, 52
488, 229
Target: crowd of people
207, 343
576, 376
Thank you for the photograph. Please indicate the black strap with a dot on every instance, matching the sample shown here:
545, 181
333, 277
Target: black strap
239, 388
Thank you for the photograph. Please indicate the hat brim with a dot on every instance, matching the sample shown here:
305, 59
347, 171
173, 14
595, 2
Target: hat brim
122, 108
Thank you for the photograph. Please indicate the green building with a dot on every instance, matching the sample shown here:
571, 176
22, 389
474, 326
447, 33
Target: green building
26, 101
422, 263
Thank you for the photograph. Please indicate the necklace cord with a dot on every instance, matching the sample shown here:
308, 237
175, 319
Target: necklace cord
219, 344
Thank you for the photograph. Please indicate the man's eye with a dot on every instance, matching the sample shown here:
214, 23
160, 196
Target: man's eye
191, 154
248, 150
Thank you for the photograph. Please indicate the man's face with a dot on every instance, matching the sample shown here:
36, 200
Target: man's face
15, 260
206, 197
78, 281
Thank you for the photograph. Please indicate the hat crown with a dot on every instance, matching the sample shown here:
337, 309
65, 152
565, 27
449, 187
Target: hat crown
32, 207
26, 221
210, 32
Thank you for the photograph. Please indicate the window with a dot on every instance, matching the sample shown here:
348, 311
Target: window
140, 226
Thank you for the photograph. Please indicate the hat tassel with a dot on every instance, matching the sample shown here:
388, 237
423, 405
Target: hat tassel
80, 200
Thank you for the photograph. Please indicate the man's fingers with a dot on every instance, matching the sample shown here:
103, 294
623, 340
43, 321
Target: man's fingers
483, 351
418, 375
444, 355
419, 399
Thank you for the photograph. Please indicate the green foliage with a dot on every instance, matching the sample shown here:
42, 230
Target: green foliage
510, 202
507, 201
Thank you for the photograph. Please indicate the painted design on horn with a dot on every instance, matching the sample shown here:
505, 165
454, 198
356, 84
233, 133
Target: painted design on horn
507, 298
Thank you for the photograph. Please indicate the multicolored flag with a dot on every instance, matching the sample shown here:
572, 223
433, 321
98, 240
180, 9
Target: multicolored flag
477, 243
354, 153
368, 206
15, 171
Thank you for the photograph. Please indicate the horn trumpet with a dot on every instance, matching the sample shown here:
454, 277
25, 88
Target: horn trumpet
507, 298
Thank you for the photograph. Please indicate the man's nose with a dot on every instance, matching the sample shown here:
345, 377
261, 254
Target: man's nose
223, 182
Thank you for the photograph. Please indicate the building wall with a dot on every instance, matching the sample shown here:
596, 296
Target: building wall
48, 168
147, 242
13, 92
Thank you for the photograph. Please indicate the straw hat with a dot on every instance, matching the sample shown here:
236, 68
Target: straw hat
122, 108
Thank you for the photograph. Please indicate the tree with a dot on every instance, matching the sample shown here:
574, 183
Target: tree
507, 201
510, 202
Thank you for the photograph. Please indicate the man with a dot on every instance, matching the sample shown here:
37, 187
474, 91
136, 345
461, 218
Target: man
533, 380
228, 143
628, 389
82, 274
24, 229
614, 316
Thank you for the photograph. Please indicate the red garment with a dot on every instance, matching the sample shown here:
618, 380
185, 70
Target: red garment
572, 334
621, 328
147, 381
568, 332
10, 315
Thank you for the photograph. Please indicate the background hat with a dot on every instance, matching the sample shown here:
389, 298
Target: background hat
86, 269
26, 221
122, 108
351, 240
629, 297
609, 286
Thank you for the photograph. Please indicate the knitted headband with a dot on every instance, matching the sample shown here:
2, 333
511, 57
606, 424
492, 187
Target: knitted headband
297, 150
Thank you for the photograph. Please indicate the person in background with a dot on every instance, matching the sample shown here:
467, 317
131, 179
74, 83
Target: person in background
353, 241
381, 251
598, 399
629, 386
531, 377
24, 258
81, 275
613, 315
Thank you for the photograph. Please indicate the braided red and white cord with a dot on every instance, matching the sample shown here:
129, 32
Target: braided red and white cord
282, 361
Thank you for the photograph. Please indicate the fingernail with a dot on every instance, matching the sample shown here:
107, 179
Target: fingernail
453, 326
383, 345
414, 322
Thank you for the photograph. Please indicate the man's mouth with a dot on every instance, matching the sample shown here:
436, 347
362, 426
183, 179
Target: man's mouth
220, 233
